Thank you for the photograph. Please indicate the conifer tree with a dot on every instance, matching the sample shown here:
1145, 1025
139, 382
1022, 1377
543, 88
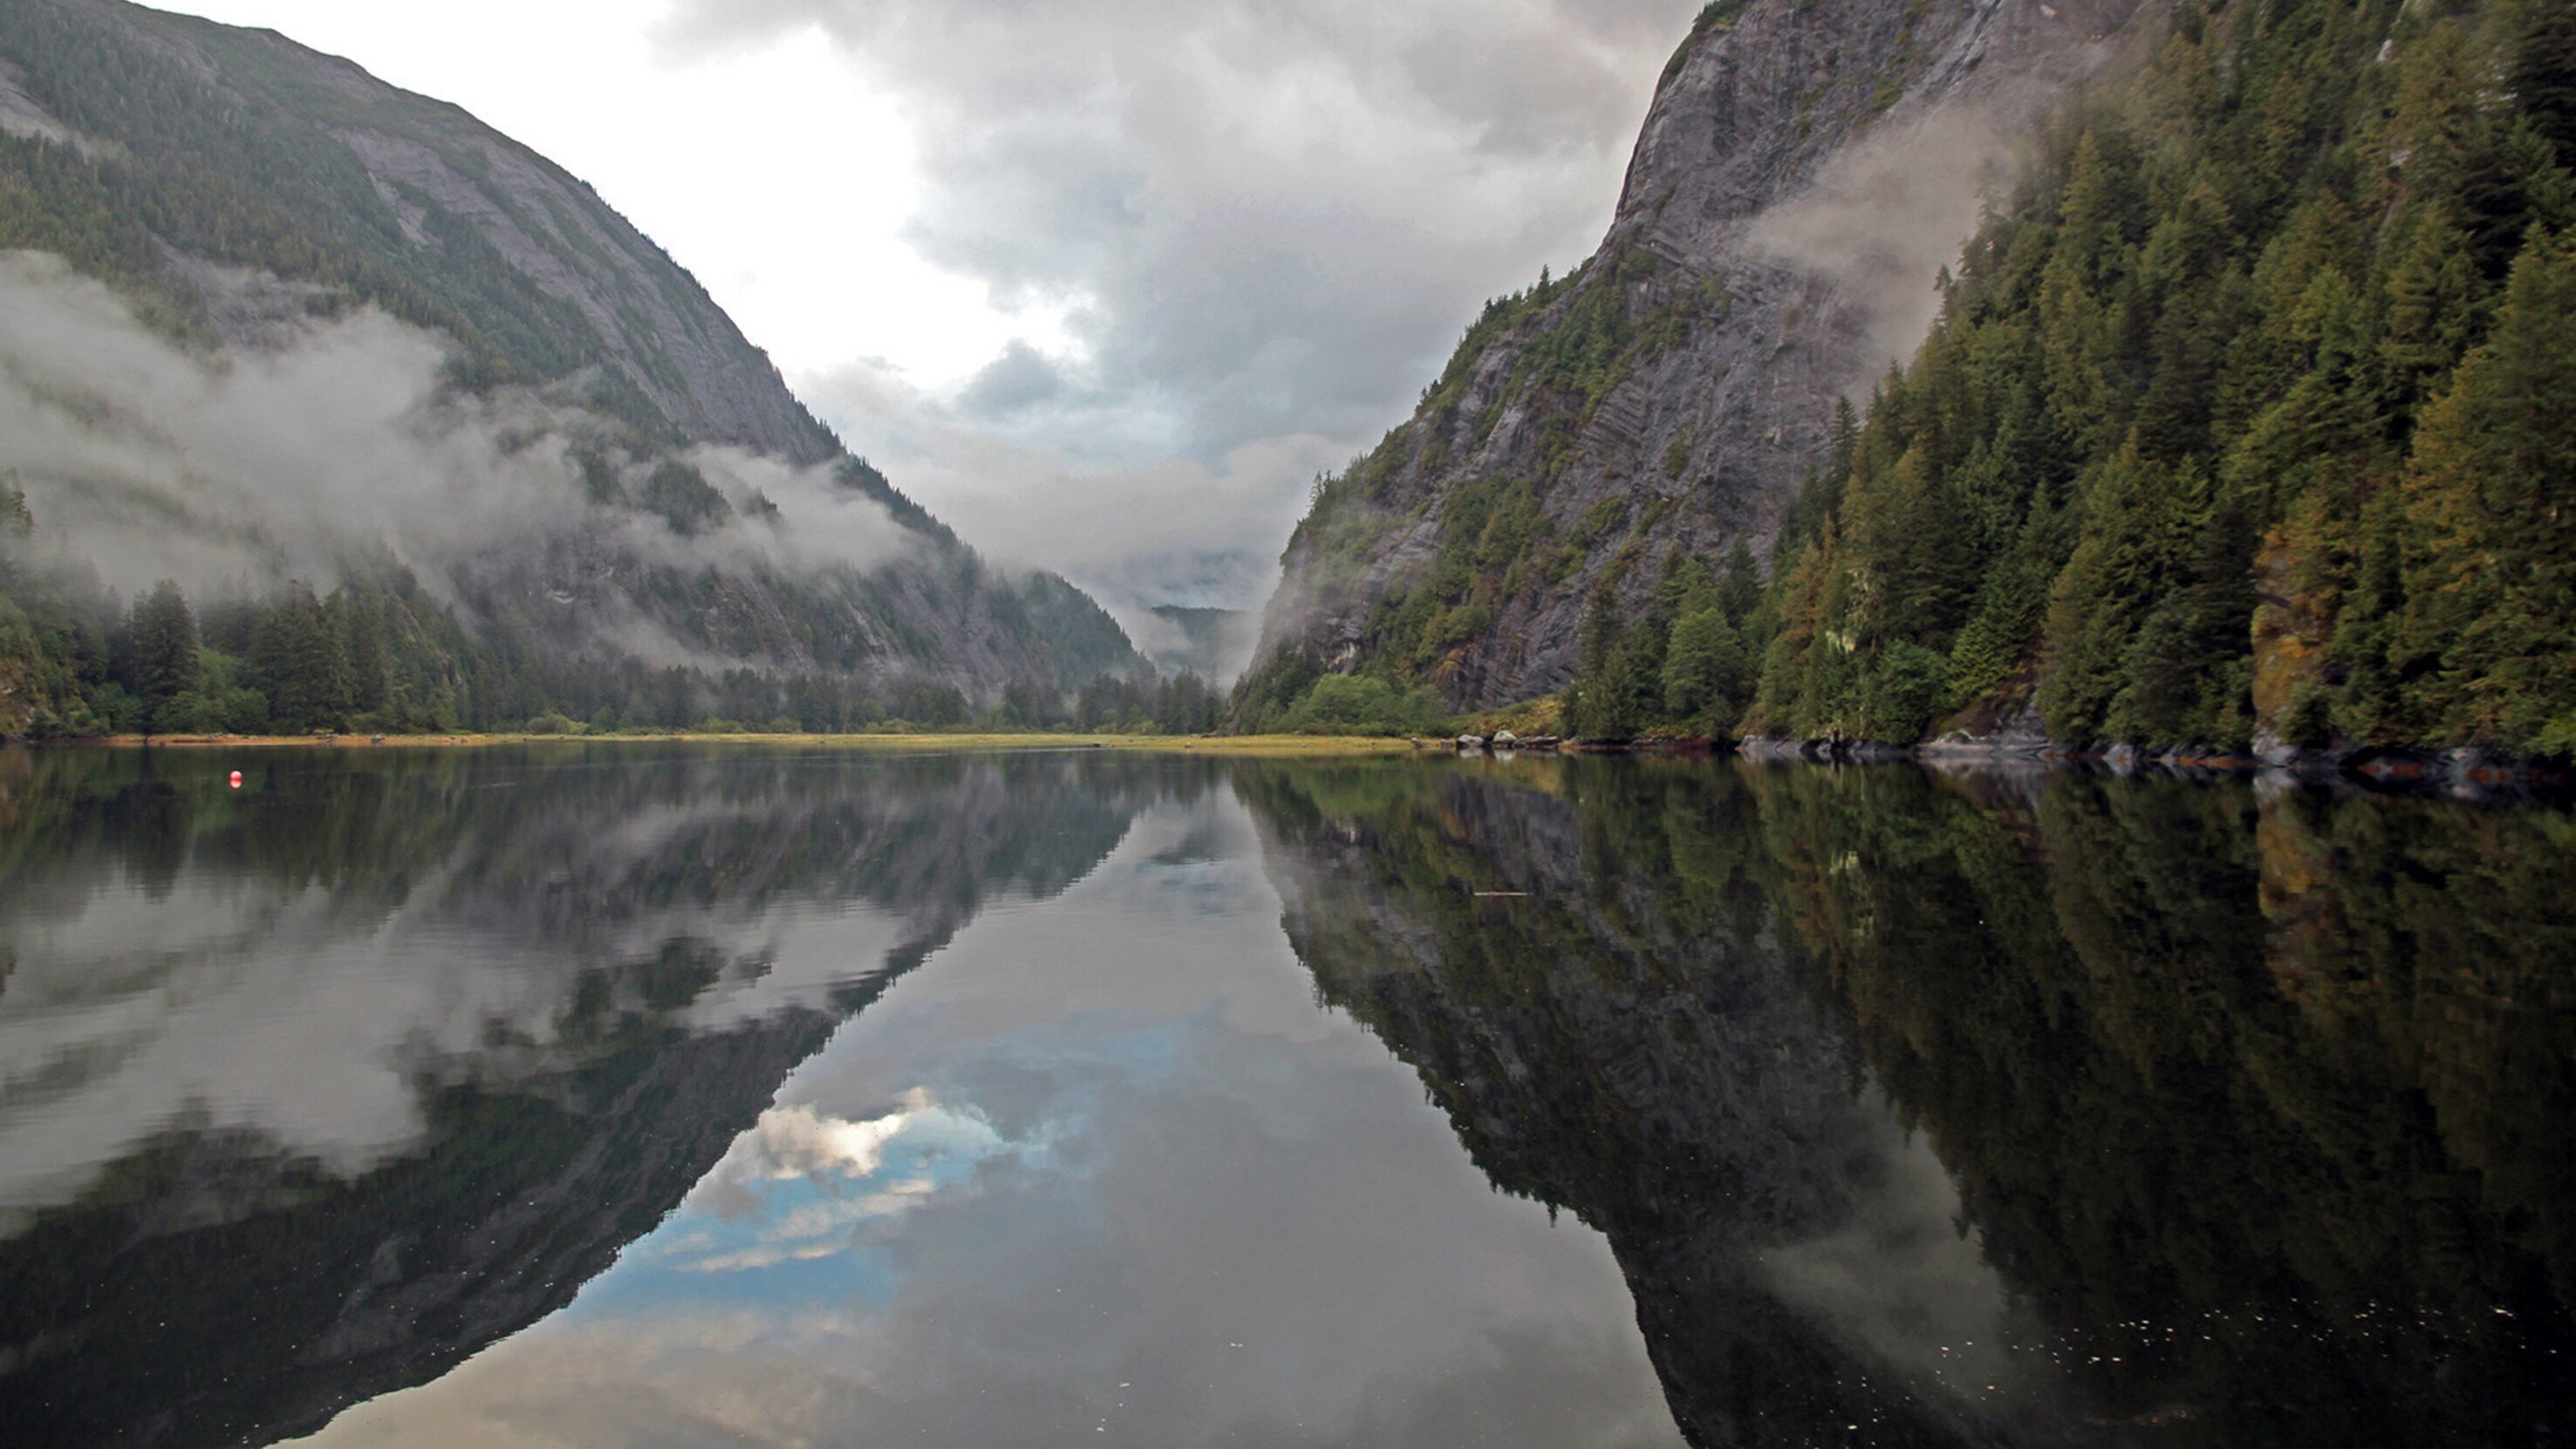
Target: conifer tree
164, 641
300, 662
2491, 582
2544, 76
363, 630
1739, 582
1692, 682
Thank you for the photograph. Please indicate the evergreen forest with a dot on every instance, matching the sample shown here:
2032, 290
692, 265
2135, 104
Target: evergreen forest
2247, 419
2255, 417
381, 654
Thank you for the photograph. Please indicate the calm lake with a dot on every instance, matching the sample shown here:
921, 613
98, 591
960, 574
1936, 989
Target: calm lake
649, 1094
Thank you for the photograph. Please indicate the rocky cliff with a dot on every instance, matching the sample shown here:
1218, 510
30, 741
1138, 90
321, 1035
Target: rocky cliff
1803, 174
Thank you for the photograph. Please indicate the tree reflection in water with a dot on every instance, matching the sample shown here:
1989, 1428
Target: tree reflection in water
2254, 1104
1985, 1108
313, 1090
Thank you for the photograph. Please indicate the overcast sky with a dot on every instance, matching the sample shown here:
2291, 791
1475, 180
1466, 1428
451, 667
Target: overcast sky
1102, 282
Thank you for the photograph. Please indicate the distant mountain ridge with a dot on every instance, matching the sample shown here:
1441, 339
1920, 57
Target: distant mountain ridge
239, 190
1212, 643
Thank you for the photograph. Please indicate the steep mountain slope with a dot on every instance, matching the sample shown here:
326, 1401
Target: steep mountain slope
2252, 424
302, 161
1803, 172
258, 205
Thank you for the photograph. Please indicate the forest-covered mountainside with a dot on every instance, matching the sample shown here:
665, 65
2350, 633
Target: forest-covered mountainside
2252, 423
1802, 173
237, 213
2243, 422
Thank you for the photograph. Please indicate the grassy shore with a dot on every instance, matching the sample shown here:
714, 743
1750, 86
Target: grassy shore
1267, 746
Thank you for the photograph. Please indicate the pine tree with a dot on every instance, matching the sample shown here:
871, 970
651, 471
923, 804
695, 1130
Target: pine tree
1606, 684
2544, 76
300, 663
2491, 582
362, 629
1739, 583
164, 644
2432, 307
1691, 679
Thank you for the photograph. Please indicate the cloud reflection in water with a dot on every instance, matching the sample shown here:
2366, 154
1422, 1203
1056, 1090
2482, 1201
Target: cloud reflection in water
1131, 1185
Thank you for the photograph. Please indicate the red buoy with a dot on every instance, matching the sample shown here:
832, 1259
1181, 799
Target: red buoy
236, 779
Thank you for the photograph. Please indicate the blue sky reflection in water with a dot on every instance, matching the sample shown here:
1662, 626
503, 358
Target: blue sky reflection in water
1099, 1165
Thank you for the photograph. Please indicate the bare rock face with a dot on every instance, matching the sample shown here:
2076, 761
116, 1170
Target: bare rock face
1805, 172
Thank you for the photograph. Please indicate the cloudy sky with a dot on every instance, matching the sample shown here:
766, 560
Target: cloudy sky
1103, 282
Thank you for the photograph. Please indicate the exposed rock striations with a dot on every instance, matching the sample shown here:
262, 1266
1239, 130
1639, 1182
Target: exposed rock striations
1804, 172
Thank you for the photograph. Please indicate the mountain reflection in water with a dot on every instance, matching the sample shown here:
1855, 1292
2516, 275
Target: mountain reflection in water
309, 1091
2250, 1107
1826, 1106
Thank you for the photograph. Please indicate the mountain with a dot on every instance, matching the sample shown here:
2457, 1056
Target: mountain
2241, 424
2251, 426
1803, 172
574, 453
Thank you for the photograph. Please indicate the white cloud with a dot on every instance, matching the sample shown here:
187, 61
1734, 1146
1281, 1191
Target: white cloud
1237, 235
793, 1187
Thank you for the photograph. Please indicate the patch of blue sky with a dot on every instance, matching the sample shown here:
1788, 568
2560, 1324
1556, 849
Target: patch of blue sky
787, 1217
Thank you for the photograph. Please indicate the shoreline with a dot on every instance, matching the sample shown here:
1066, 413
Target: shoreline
2399, 769
1238, 745
2464, 768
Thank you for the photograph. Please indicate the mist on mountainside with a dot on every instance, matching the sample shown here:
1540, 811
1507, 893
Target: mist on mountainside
245, 468
1886, 219
422, 432
1212, 643
462, 555
1601, 443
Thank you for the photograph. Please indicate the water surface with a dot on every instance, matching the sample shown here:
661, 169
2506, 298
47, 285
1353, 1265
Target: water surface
634, 1094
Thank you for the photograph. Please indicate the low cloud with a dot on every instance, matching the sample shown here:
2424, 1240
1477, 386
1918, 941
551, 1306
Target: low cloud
254, 465
1884, 217
1263, 226
1085, 487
